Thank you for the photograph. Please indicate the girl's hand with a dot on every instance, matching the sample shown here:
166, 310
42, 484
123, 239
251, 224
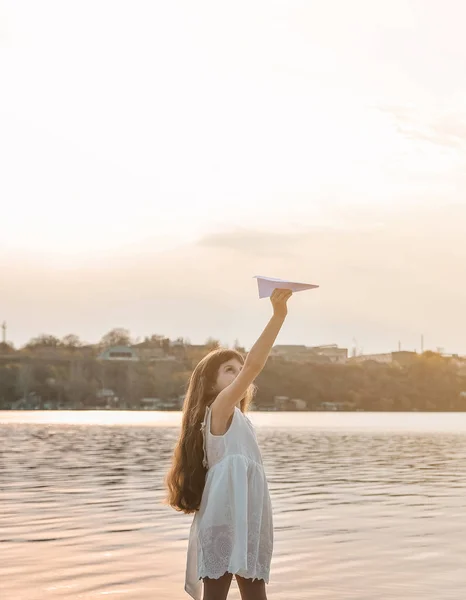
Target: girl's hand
279, 298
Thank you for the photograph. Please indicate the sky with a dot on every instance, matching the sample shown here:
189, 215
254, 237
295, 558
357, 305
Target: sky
155, 156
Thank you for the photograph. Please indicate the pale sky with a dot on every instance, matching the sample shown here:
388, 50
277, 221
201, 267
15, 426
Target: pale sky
154, 156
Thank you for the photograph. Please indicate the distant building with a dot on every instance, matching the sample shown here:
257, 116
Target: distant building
333, 352
159, 404
287, 349
150, 403
301, 353
105, 393
330, 406
385, 358
298, 403
286, 403
106, 398
119, 353
402, 358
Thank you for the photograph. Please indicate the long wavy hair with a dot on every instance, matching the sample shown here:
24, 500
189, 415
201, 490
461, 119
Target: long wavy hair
185, 480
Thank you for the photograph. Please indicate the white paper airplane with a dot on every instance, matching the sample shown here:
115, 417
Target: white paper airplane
267, 285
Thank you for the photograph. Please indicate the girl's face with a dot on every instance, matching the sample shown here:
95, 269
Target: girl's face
227, 373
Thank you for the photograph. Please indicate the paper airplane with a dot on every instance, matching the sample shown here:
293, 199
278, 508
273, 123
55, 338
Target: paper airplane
267, 285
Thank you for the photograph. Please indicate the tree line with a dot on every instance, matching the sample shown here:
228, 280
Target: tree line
66, 373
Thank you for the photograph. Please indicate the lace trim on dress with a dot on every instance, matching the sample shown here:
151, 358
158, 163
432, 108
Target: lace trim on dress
216, 545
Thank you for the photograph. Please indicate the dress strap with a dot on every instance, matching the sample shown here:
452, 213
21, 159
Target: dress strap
204, 424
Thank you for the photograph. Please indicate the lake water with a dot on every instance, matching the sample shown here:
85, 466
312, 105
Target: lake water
366, 505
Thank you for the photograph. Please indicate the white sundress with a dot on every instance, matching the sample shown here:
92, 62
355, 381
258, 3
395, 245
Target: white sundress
233, 529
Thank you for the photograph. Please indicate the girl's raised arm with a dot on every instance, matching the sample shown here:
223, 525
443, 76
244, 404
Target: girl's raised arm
224, 404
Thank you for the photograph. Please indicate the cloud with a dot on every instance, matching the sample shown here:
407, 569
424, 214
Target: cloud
254, 242
401, 277
447, 129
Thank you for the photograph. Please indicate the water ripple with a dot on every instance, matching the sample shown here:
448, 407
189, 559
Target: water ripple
358, 514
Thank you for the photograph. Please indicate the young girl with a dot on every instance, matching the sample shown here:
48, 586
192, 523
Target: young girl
217, 472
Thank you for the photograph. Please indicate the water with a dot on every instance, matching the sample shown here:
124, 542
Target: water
365, 506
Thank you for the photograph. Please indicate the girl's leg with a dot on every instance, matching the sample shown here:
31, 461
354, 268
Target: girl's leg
251, 590
217, 589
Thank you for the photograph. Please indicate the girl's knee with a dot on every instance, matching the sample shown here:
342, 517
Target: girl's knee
217, 589
252, 590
